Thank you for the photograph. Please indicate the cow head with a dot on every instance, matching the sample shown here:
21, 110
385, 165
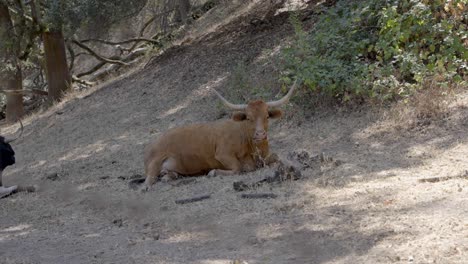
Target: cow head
255, 114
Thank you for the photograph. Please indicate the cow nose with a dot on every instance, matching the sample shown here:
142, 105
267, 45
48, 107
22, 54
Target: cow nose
260, 134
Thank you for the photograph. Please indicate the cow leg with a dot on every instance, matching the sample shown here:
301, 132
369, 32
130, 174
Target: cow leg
152, 171
170, 175
157, 169
231, 164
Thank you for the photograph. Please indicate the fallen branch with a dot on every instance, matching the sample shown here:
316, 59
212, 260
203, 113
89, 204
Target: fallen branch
445, 178
282, 173
83, 82
121, 42
130, 59
194, 199
258, 195
97, 56
22, 91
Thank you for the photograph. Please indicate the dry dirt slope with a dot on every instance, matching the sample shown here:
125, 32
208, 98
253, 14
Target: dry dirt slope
370, 209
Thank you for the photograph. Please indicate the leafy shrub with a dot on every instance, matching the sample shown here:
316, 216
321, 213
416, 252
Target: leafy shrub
380, 49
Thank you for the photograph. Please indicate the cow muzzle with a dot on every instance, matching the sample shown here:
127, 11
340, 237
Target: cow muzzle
260, 135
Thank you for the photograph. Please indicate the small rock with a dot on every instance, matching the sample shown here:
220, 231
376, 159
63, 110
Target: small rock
240, 186
118, 222
52, 176
104, 177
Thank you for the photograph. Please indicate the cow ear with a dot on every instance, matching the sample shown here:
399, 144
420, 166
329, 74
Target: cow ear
239, 116
275, 113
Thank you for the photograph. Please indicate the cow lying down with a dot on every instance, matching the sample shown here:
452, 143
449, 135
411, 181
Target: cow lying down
223, 147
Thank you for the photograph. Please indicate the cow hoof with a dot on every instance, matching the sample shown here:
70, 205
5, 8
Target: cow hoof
145, 188
212, 173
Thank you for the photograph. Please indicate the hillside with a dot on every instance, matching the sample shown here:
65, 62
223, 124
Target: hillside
372, 206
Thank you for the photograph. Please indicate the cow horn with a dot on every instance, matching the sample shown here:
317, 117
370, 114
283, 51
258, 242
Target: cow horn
284, 99
21, 133
230, 105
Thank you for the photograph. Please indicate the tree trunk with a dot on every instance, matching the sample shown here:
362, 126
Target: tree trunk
182, 11
58, 76
10, 69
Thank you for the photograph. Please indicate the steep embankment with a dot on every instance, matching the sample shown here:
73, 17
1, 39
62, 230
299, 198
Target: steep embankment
368, 208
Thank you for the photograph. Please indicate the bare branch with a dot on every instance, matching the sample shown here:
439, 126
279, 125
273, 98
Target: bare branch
92, 70
72, 56
83, 82
130, 58
97, 56
32, 91
121, 42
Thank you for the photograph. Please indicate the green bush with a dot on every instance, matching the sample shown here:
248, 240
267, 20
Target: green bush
380, 49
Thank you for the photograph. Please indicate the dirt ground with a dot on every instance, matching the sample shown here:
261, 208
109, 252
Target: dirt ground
371, 207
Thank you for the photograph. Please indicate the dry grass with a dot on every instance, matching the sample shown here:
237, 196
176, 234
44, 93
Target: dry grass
428, 105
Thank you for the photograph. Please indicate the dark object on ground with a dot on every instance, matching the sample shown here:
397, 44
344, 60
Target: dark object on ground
182, 182
282, 173
445, 178
52, 176
25, 189
258, 195
306, 161
135, 183
194, 199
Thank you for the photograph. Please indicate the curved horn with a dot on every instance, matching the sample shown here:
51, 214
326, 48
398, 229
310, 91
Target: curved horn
285, 98
21, 133
230, 105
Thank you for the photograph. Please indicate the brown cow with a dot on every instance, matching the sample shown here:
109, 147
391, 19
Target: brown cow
217, 148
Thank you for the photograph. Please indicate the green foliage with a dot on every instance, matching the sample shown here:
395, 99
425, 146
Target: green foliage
380, 49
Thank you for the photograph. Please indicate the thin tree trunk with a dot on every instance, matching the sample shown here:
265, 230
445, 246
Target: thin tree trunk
182, 11
58, 75
10, 69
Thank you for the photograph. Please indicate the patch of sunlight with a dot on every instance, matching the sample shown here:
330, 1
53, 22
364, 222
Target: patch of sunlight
92, 235
270, 53
15, 231
38, 164
202, 91
218, 261
123, 136
20, 227
84, 152
219, 17
269, 232
294, 5
188, 236
86, 186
